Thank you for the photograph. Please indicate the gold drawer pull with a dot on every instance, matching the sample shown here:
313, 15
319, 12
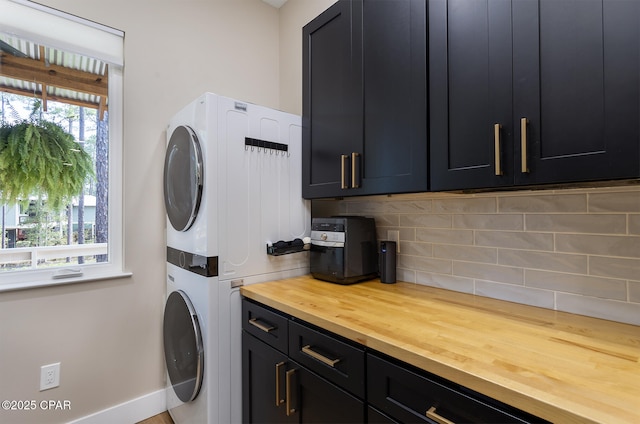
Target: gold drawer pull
265, 328
279, 366
354, 161
496, 148
315, 355
523, 145
431, 413
343, 160
288, 377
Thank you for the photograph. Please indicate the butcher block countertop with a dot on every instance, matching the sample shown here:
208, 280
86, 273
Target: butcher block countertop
562, 367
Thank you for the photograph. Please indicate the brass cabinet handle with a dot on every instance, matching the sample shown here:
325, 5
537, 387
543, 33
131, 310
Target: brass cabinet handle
354, 161
432, 414
523, 145
279, 366
343, 184
320, 357
265, 328
288, 377
496, 148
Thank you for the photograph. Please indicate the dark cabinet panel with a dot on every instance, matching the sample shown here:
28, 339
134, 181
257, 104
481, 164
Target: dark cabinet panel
263, 383
364, 99
318, 401
470, 93
577, 83
332, 93
533, 91
394, 154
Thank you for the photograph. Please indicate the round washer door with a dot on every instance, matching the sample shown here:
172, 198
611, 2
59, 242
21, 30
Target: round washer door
183, 169
183, 347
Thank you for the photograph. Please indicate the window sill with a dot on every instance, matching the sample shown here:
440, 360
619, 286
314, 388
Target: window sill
38, 283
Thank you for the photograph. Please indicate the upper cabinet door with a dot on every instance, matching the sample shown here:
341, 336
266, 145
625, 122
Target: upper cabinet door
394, 156
533, 92
471, 129
364, 99
332, 98
576, 90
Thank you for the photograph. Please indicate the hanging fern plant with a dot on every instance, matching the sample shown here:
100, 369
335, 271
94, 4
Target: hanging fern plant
41, 157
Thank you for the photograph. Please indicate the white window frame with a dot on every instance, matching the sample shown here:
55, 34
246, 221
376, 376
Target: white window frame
34, 22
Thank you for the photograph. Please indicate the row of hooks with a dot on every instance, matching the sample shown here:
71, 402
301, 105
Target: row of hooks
266, 146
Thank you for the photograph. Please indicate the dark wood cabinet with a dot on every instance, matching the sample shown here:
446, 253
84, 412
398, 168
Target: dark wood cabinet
470, 90
263, 383
318, 401
332, 89
364, 99
277, 389
533, 92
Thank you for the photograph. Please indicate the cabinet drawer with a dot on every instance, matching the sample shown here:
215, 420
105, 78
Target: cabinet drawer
407, 395
337, 361
265, 324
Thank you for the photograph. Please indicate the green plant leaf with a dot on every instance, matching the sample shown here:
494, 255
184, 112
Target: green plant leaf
40, 157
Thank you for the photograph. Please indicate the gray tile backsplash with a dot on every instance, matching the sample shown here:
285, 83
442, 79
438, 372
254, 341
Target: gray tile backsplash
569, 250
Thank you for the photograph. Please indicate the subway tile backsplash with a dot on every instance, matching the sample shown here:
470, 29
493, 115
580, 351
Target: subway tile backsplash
573, 250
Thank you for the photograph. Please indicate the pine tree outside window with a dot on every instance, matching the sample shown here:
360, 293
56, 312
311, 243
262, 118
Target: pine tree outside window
48, 236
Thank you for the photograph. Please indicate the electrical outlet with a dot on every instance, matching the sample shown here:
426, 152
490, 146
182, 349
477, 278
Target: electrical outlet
49, 376
394, 235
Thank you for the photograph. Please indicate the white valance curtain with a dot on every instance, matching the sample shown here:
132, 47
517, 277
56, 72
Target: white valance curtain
44, 25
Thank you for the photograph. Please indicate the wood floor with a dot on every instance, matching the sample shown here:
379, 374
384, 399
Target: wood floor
163, 418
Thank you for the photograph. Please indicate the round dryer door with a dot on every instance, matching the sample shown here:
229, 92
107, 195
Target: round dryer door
183, 169
183, 347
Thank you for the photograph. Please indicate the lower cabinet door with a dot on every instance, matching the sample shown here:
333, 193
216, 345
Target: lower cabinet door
263, 383
318, 401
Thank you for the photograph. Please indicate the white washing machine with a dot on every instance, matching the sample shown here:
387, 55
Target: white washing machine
232, 185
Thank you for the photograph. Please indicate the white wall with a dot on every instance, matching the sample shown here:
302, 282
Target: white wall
293, 16
108, 335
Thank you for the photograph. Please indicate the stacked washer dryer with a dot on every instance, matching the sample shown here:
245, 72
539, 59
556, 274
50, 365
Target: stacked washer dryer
232, 184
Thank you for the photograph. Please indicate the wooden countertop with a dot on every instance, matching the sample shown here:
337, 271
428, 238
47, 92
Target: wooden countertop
562, 367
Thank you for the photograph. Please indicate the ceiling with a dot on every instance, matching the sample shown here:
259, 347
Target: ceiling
275, 3
30, 69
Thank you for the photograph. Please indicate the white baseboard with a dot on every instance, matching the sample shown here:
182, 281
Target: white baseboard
131, 411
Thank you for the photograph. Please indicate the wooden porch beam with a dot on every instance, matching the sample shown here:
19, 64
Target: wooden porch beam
33, 70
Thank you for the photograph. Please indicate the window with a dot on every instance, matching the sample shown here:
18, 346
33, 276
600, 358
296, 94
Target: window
62, 69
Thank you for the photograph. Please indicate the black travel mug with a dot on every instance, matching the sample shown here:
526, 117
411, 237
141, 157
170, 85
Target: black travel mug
388, 261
